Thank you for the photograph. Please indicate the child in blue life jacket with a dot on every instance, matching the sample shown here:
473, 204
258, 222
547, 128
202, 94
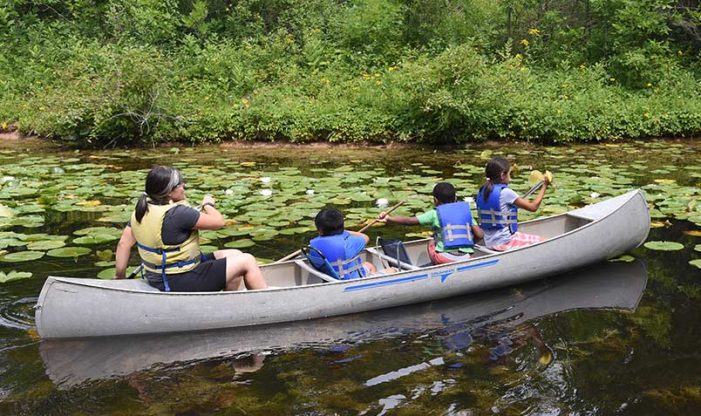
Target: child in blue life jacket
454, 232
336, 251
497, 208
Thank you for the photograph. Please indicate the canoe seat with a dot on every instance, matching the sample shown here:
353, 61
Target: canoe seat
392, 261
304, 265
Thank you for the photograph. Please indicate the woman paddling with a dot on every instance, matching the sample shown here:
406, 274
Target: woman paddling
165, 229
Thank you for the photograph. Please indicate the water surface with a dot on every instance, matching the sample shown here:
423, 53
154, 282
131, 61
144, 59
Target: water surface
615, 338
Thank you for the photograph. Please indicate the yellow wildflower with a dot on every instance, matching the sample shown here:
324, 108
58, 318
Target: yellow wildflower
534, 31
4, 125
518, 56
524, 42
646, 114
649, 85
392, 68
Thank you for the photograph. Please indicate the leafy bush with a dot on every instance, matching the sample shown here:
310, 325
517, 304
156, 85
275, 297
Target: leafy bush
121, 72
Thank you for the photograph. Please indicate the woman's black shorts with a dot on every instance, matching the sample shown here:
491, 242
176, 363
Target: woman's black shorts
208, 276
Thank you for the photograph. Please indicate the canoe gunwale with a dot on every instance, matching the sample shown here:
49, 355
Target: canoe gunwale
591, 223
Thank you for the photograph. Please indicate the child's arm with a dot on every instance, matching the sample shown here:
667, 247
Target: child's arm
532, 206
361, 235
398, 219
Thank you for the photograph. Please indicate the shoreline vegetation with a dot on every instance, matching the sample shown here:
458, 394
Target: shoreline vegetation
142, 72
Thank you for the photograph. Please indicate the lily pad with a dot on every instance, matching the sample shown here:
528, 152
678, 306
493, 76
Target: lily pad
14, 275
45, 245
243, 243
625, 258
664, 245
208, 249
104, 255
99, 230
107, 274
695, 263
69, 252
697, 247
95, 239
22, 256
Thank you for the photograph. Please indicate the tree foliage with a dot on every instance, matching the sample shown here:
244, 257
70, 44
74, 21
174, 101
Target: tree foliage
113, 72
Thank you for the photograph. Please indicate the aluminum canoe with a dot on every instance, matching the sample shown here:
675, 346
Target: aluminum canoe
76, 307
455, 321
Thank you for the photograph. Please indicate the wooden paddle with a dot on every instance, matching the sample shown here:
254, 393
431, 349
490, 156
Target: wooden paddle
370, 224
541, 180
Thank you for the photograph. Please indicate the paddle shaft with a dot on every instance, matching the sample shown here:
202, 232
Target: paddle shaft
533, 189
377, 219
135, 272
296, 253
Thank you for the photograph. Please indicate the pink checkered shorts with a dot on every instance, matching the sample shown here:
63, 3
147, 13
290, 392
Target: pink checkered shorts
519, 239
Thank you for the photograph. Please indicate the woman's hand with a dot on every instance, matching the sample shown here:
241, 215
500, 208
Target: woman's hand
208, 199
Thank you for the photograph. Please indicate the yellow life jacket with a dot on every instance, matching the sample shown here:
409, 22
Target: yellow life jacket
158, 257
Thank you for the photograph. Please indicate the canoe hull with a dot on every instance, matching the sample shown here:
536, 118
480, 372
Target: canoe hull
69, 307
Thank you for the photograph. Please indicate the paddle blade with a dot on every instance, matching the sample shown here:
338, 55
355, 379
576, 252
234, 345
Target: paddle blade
535, 177
548, 176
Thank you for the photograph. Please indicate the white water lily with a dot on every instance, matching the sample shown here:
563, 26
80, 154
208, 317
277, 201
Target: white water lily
6, 179
595, 195
310, 192
265, 179
266, 192
382, 203
229, 192
469, 199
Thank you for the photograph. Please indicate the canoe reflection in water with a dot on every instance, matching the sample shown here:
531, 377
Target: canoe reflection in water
610, 285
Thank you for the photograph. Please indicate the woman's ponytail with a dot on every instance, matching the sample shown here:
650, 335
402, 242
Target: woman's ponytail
141, 207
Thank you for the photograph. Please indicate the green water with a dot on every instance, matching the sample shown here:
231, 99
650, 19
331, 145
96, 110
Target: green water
618, 338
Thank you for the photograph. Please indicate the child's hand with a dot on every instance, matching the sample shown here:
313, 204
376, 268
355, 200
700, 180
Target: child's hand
548, 177
383, 216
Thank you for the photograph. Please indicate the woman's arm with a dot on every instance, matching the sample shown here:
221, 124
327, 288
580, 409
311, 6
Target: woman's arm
126, 242
210, 217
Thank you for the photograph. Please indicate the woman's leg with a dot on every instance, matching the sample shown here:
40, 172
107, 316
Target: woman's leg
238, 265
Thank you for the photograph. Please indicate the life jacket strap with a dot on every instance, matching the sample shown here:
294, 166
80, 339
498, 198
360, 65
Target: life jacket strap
157, 250
349, 266
492, 217
451, 232
182, 263
164, 263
